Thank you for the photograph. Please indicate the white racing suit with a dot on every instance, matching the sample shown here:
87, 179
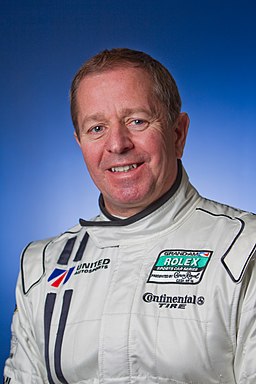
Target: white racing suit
166, 296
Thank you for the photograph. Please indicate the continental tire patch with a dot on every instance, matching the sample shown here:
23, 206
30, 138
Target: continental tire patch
178, 266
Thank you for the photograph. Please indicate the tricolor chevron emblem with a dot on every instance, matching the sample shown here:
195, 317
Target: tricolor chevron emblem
205, 254
60, 276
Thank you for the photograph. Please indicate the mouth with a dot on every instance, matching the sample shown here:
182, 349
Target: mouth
125, 168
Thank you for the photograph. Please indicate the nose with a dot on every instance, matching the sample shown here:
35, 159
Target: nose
119, 139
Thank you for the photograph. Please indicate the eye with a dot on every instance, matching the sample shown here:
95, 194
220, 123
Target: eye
96, 129
95, 132
138, 123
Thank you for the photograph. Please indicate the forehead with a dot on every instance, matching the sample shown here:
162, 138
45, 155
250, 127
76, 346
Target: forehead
123, 87
118, 75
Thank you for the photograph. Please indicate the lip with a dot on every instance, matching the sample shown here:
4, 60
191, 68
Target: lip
133, 166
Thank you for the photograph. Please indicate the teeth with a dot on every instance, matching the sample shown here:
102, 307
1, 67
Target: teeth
125, 168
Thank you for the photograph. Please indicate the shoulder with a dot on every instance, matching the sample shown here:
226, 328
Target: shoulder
215, 208
225, 221
222, 214
38, 254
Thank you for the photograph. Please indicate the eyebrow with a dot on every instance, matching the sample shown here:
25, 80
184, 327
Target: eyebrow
126, 111
93, 118
130, 111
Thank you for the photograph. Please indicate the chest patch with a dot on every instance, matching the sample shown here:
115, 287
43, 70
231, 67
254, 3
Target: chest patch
178, 266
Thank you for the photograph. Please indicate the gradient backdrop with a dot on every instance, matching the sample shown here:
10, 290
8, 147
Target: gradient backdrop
209, 46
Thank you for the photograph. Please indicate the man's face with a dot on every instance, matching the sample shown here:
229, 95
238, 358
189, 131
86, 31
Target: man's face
128, 145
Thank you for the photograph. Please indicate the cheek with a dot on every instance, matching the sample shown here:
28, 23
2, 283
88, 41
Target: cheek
90, 156
161, 147
163, 158
91, 152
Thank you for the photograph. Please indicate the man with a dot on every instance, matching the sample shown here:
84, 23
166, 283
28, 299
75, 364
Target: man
160, 287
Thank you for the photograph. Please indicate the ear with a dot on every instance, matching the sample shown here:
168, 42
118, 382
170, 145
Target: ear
77, 139
181, 131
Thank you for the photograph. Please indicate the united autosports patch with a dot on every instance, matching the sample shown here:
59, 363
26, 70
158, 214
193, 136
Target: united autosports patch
179, 266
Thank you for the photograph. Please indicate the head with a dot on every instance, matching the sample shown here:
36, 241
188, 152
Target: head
163, 84
126, 112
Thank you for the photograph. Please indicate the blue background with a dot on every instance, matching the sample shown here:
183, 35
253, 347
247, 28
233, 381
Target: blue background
209, 46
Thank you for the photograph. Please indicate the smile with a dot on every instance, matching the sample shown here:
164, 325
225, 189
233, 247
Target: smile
125, 168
